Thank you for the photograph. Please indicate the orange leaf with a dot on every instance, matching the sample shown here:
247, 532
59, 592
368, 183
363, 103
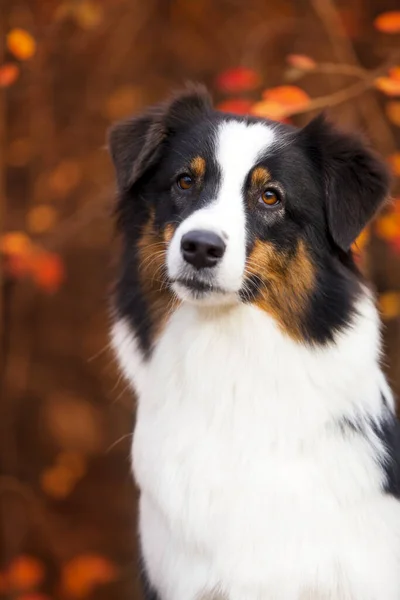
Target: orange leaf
74, 423
290, 97
269, 110
57, 481
240, 79
41, 218
389, 305
239, 106
394, 73
388, 22
9, 73
65, 177
19, 251
394, 162
25, 573
21, 44
24, 258
393, 112
387, 227
83, 573
15, 242
48, 271
387, 85
301, 61
362, 241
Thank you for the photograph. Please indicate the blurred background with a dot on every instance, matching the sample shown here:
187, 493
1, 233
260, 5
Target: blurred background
68, 69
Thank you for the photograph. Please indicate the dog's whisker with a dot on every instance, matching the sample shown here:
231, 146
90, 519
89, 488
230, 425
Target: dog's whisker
121, 439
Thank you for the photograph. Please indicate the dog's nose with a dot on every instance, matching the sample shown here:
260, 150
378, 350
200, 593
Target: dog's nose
202, 248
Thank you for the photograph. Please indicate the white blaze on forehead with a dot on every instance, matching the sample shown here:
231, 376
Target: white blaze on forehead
238, 148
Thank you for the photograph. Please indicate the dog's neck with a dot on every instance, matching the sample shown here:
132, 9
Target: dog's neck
239, 352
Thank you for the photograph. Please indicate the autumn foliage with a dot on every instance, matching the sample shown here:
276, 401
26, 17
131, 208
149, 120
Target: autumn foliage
244, 93
68, 69
80, 575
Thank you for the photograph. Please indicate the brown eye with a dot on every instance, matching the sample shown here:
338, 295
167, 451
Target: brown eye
185, 181
270, 197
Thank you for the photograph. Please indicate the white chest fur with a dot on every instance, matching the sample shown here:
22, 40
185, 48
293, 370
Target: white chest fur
248, 485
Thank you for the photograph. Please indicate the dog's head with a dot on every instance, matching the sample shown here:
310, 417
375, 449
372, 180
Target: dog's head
219, 209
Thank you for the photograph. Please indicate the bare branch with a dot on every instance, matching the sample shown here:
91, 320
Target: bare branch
369, 108
348, 93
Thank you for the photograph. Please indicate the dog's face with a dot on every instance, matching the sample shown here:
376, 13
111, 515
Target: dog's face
216, 209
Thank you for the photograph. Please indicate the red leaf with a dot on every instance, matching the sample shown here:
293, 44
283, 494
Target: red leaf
48, 271
83, 573
239, 106
239, 79
9, 73
395, 245
25, 573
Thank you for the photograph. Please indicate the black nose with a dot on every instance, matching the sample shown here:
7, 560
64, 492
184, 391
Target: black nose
202, 248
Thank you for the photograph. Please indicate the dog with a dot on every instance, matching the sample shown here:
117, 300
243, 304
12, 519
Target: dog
266, 447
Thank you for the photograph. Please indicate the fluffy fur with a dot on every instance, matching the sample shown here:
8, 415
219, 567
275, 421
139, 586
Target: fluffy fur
266, 448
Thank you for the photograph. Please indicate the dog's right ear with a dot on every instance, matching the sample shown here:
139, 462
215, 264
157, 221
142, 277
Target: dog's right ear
136, 144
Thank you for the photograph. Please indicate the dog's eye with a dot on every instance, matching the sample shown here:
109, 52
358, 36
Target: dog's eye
184, 181
270, 197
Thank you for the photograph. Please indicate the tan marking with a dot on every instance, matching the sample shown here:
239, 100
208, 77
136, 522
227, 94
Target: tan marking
152, 248
260, 177
286, 283
169, 232
198, 166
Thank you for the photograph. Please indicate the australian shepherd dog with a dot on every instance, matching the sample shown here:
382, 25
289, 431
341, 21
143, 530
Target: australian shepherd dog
266, 447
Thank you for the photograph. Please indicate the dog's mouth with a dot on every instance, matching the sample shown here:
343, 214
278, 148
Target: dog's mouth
198, 286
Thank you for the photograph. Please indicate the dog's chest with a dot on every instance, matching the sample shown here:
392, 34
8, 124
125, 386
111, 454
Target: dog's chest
237, 452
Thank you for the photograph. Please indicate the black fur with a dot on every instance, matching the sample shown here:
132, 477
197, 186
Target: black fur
387, 430
149, 593
333, 186
355, 180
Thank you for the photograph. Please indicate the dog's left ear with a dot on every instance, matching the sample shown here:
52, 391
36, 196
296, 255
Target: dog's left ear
356, 181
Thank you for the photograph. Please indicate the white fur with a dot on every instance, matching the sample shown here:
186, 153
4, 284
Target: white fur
247, 484
238, 147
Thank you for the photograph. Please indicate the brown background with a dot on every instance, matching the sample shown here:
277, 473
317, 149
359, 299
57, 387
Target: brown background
61, 391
